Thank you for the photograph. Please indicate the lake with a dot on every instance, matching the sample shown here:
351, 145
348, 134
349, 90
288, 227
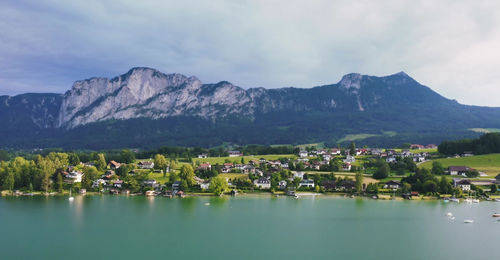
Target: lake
245, 227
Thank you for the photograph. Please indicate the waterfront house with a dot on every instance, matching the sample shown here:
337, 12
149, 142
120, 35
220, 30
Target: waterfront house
262, 183
75, 176
176, 186
346, 185
463, 184
392, 185
458, 170
146, 165
118, 184
306, 184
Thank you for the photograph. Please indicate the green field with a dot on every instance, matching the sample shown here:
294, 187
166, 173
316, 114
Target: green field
354, 137
221, 160
488, 163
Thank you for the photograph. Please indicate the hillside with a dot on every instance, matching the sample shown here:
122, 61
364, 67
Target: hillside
147, 108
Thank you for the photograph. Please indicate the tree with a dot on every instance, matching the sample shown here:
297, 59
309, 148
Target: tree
430, 186
4, 155
359, 182
352, 149
187, 174
472, 173
90, 174
437, 168
218, 185
8, 183
127, 156
101, 162
73, 159
161, 163
493, 188
382, 170
59, 182
445, 186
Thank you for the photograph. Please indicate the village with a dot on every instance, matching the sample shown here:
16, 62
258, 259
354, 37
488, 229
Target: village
371, 172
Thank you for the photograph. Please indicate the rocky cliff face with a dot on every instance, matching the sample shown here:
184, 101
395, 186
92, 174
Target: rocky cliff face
145, 92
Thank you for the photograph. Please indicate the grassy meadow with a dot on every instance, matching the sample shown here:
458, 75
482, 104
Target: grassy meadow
488, 163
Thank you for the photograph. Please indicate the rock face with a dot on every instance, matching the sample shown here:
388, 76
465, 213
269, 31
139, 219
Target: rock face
145, 92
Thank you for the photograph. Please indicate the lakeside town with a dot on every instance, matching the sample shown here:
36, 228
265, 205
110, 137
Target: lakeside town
414, 172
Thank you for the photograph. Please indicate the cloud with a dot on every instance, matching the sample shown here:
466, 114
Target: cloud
450, 46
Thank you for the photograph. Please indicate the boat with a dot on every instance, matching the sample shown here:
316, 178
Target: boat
497, 200
467, 221
454, 200
296, 196
496, 215
71, 198
446, 200
468, 200
475, 201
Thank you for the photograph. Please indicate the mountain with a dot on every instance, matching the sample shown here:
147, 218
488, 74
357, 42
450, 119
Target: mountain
147, 108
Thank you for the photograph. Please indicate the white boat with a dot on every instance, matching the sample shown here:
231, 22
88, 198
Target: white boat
475, 201
454, 200
497, 200
296, 196
496, 215
467, 221
70, 197
468, 200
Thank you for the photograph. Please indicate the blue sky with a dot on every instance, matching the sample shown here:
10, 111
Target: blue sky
450, 46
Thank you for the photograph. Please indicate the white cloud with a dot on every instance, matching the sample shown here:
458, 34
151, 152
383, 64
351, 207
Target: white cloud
450, 46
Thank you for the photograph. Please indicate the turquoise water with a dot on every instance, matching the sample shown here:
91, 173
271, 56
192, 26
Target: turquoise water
110, 227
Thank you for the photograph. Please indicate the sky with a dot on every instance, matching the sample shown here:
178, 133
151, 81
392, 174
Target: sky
451, 46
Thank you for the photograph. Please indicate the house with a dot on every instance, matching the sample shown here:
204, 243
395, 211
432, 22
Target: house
419, 158
303, 154
282, 185
203, 156
328, 184
118, 184
390, 159
497, 178
327, 157
416, 146
347, 185
262, 183
114, 165
392, 185
226, 167
234, 153
458, 170
346, 166
108, 174
376, 151
98, 183
463, 184
150, 183
306, 183
431, 146
467, 154
75, 176
146, 165
349, 159
176, 186
299, 175
336, 151
205, 167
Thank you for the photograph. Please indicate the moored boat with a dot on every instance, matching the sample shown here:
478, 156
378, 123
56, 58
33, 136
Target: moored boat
496, 215
467, 221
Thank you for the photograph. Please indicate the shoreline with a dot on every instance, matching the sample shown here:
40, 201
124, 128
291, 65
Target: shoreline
382, 197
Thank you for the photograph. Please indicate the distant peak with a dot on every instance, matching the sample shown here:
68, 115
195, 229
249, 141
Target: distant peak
351, 80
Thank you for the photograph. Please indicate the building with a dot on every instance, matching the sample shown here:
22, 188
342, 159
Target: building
262, 183
463, 184
203, 156
114, 165
306, 184
303, 154
346, 166
458, 170
282, 185
497, 179
299, 175
392, 185
349, 159
235, 153
75, 176
146, 165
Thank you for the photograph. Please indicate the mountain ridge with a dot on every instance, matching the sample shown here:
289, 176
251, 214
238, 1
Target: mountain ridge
355, 104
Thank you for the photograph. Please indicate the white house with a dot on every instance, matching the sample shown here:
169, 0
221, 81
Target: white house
303, 154
262, 183
463, 184
306, 183
346, 166
349, 159
203, 156
146, 165
75, 176
298, 175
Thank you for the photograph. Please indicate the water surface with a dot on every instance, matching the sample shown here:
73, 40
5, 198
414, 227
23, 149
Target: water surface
105, 227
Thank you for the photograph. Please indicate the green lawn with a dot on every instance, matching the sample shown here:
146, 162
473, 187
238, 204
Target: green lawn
488, 163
